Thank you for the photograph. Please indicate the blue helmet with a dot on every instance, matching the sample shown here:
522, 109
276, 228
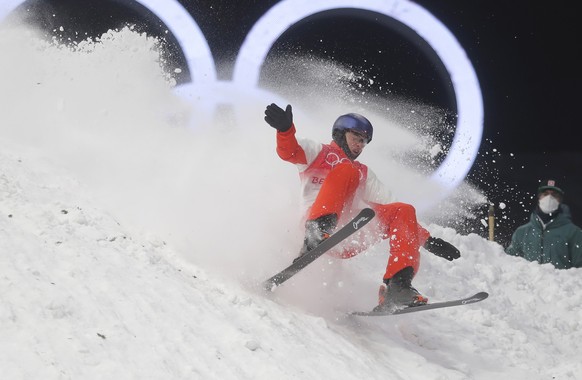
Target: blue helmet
353, 122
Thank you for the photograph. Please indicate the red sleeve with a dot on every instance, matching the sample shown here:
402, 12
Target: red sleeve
289, 149
423, 235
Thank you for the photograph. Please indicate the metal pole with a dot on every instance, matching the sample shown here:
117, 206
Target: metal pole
491, 222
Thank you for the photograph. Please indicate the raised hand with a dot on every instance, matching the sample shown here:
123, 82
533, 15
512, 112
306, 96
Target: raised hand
278, 118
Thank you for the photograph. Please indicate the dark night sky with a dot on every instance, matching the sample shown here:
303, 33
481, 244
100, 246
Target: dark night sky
524, 54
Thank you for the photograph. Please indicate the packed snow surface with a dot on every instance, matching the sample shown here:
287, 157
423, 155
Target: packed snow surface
133, 247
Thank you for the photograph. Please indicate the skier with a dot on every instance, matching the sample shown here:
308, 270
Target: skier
334, 182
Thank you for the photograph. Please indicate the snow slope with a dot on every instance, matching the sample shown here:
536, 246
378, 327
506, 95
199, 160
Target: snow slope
114, 265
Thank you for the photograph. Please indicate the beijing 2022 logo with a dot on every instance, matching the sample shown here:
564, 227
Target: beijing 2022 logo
285, 14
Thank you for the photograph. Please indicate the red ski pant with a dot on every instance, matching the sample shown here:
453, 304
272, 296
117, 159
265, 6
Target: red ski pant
395, 221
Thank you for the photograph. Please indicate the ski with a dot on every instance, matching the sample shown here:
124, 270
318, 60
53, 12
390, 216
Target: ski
429, 306
354, 225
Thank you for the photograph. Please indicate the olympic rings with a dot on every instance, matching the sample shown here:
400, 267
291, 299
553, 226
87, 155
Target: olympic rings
333, 159
467, 139
281, 17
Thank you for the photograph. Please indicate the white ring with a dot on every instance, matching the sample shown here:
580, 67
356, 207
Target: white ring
7, 6
179, 22
469, 130
190, 38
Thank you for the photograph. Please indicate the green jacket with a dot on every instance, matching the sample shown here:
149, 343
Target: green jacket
560, 243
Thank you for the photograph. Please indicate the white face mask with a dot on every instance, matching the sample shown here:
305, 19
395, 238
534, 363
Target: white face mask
548, 204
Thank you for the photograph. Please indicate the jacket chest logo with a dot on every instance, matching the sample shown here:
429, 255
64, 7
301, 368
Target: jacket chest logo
333, 159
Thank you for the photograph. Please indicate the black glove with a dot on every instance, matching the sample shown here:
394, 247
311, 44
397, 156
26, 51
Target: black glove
279, 119
441, 248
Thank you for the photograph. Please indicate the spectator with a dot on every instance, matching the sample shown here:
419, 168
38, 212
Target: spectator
549, 236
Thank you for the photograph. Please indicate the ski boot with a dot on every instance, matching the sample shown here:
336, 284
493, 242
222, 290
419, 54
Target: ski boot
316, 231
397, 292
